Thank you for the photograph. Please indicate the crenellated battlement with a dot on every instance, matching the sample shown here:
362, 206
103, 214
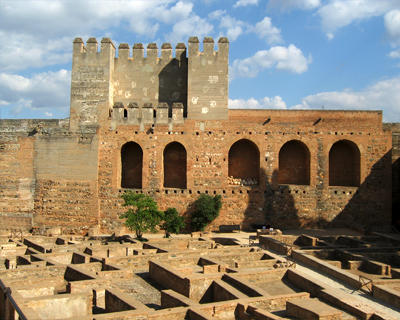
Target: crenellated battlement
153, 55
139, 113
92, 48
208, 48
152, 51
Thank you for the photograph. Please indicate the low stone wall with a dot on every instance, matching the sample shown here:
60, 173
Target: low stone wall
169, 278
61, 306
244, 286
386, 294
172, 299
117, 301
326, 268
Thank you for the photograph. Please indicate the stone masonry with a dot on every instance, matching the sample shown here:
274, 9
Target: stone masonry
160, 125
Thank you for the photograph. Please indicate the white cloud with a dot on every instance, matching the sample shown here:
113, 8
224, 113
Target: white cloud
23, 51
265, 29
392, 25
294, 4
264, 103
282, 58
395, 54
244, 3
48, 91
180, 11
339, 13
182, 30
30, 30
234, 28
383, 95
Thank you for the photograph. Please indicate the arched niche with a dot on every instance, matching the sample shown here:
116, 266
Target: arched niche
132, 164
175, 166
344, 164
294, 163
244, 163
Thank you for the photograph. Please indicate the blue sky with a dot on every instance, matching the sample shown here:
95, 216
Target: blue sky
305, 54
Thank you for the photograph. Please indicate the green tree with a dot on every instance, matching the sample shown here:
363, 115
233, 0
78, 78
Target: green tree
173, 223
206, 209
143, 214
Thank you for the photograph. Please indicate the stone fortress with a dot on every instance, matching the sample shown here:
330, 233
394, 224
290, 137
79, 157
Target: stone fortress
161, 126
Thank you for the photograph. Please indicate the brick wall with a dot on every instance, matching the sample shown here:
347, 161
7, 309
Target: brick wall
207, 144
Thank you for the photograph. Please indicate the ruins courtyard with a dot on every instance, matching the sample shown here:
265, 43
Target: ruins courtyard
300, 274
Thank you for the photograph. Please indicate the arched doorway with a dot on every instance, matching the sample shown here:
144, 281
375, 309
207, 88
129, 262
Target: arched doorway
344, 164
175, 166
294, 163
244, 163
132, 163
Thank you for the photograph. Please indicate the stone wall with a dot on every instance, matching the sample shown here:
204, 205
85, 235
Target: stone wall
161, 126
208, 144
395, 129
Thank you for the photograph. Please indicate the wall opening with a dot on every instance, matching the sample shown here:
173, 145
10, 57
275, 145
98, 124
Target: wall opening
344, 164
132, 163
294, 163
175, 166
244, 163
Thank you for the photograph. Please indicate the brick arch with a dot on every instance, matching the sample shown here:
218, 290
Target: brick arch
344, 164
294, 163
175, 166
132, 165
244, 160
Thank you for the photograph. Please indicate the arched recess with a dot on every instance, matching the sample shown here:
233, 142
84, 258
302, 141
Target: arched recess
132, 164
294, 163
344, 164
175, 166
244, 163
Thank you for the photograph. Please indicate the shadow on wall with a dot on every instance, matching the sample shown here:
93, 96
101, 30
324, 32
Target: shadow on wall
272, 204
369, 205
396, 194
173, 83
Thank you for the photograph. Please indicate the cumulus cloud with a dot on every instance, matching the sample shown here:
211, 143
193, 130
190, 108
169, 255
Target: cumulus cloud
26, 40
395, 54
182, 30
265, 29
245, 3
294, 4
338, 13
392, 25
234, 28
19, 52
48, 92
264, 103
383, 95
288, 58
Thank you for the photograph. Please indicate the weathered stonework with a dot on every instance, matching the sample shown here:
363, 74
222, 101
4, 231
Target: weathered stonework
161, 125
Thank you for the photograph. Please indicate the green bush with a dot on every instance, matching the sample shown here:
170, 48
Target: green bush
173, 223
143, 214
206, 209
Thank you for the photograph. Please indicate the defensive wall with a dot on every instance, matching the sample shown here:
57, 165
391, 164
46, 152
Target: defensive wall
161, 126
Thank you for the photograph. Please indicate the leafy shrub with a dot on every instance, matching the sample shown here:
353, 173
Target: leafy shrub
206, 209
143, 214
173, 223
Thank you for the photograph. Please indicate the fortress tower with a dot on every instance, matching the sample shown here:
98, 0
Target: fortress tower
158, 123
134, 89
